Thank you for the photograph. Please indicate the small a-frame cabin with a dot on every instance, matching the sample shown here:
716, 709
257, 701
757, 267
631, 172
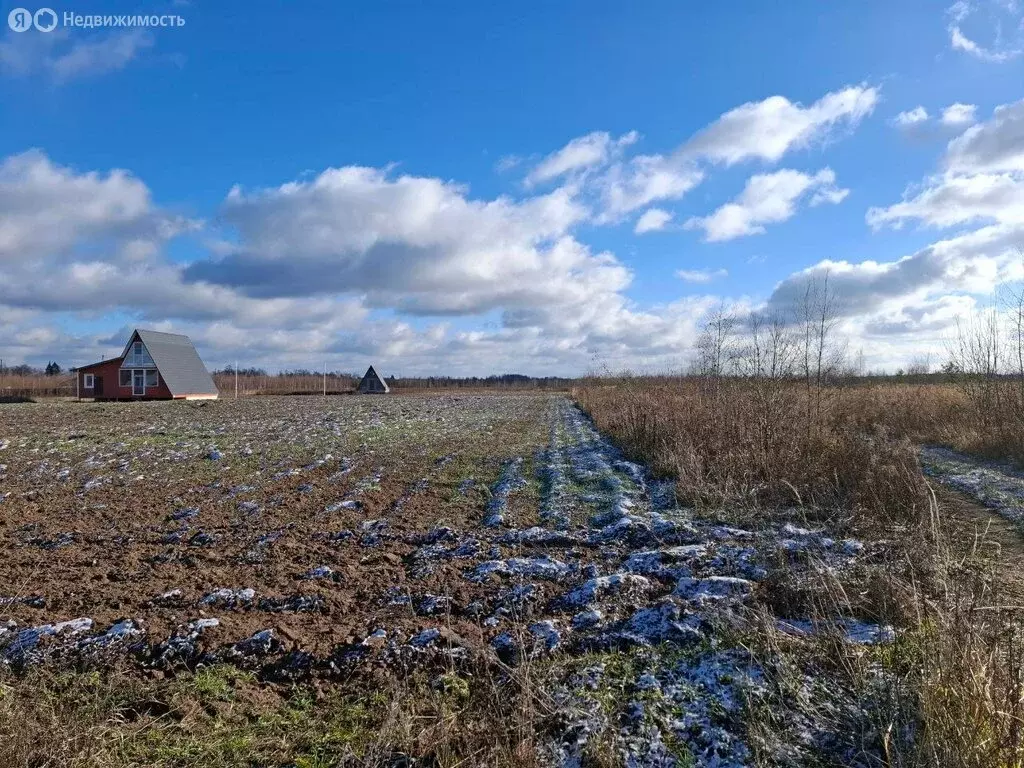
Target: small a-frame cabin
153, 366
372, 384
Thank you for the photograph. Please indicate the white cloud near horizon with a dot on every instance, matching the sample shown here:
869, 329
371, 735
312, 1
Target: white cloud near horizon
91, 243
973, 263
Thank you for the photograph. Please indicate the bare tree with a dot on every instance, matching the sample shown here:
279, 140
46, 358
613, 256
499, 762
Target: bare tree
767, 361
858, 367
822, 352
978, 354
920, 365
716, 344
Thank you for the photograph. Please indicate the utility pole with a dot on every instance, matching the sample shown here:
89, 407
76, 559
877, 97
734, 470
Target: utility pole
325, 378
236, 379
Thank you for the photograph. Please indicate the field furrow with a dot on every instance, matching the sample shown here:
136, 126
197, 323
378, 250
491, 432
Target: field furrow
309, 538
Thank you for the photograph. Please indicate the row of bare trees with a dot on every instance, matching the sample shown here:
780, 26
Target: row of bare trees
987, 362
769, 353
759, 418
760, 384
800, 343
785, 363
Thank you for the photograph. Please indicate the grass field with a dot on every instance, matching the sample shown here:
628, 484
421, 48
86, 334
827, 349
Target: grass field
488, 579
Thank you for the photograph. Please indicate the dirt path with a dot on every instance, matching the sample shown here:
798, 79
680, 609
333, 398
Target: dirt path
981, 504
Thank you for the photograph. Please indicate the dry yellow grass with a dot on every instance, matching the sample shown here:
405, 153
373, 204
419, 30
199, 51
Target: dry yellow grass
846, 454
762, 444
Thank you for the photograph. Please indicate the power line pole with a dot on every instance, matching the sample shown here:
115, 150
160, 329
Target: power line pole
236, 379
325, 378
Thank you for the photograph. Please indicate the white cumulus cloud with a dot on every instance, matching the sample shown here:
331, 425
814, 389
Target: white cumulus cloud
652, 220
955, 199
763, 130
581, 153
644, 179
767, 199
994, 145
957, 115
911, 117
323, 269
975, 262
768, 129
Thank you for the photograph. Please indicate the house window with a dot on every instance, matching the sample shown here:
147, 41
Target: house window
88, 381
138, 356
135, 357
125, 377
151, 378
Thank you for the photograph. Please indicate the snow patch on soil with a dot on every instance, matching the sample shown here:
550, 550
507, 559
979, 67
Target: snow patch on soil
540, 567
511, 479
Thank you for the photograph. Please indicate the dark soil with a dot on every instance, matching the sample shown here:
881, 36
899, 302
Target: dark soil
92, 524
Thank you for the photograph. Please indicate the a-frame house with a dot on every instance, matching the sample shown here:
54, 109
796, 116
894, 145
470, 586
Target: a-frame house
153, 366
372, 384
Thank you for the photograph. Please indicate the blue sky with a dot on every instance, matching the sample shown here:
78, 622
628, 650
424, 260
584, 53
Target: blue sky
483, 188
